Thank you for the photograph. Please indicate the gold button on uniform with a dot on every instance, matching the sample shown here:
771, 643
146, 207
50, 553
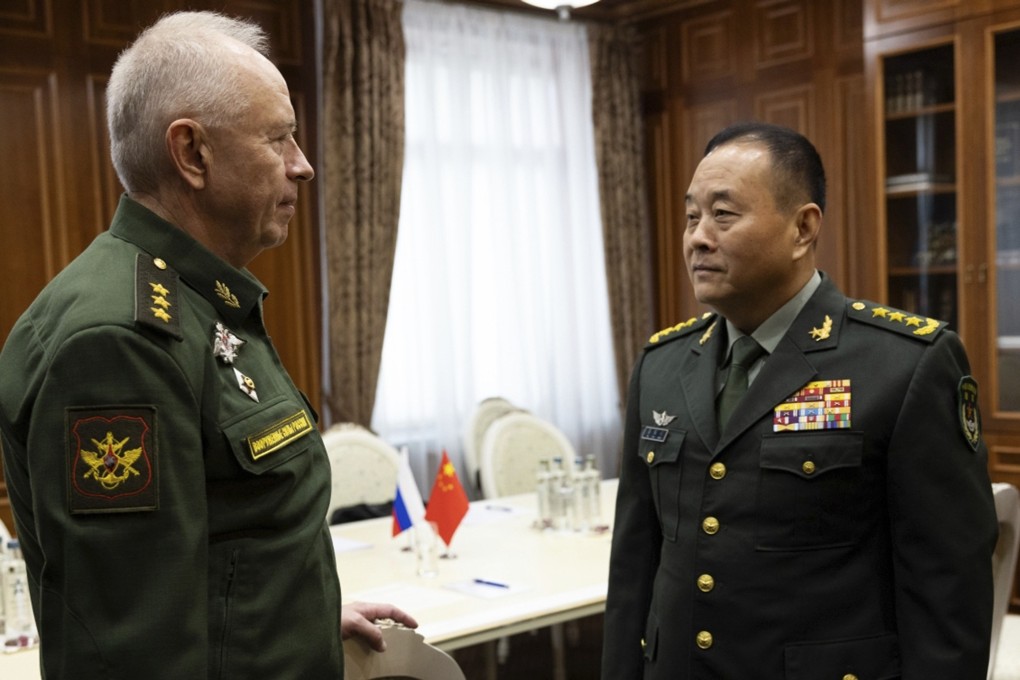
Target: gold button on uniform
710, 525
704, 639
159, 262
717, 471
650, 457
849, 676
706, 583
808, 467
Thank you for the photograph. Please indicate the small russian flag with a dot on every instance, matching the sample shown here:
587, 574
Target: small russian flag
408, 508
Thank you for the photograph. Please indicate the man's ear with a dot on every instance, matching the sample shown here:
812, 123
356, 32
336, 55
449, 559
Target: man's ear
185, 140
808, 221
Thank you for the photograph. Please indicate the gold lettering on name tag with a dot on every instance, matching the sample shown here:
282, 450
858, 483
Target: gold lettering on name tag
279, 434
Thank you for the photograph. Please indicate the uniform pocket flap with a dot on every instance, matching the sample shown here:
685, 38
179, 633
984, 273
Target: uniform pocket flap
662, 449
811, 455
270, 436
875, 657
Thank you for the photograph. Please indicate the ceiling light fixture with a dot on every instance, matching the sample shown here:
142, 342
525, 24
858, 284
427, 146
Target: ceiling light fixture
562, 7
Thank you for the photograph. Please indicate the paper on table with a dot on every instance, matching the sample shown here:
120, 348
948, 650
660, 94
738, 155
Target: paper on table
491, 512
484, 588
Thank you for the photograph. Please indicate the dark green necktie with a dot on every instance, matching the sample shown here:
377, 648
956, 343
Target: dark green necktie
745, 352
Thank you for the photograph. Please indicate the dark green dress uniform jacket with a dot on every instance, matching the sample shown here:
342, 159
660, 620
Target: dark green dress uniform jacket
168, 482
859, 551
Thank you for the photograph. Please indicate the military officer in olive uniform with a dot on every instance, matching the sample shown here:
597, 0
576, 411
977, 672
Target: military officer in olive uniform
167, 477
839, 522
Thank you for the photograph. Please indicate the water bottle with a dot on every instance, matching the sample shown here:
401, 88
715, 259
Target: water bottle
557, 508
593, 479
543, 481
17, 605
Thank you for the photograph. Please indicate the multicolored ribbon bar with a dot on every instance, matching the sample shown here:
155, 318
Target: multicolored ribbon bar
819, 405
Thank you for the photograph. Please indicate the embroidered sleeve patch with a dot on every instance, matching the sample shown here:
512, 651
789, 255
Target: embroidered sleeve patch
970, 417
111, 460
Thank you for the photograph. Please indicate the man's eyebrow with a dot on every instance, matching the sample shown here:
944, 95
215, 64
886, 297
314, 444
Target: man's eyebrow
288, 126
718, 195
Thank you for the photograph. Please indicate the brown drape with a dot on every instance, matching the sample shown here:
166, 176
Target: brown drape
623, 194
363, 158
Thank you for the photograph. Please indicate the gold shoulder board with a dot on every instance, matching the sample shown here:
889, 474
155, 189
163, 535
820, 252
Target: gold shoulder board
679, 330
156, 301
913, 325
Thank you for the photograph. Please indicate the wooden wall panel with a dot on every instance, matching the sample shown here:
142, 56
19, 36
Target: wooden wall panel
707, 48
847, 25
700, 123
106, 187
26, 18
668, 234
281, 20
847, 190
784, 32
792, 107
885, 17
32, 219
115, 23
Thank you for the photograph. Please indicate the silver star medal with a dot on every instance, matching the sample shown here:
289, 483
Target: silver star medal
246, 384
662, 419
225, 344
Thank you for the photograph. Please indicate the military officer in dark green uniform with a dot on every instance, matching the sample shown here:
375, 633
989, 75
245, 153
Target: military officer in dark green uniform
803, 492
167, 477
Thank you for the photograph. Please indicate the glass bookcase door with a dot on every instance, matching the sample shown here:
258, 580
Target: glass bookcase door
920, 182
1006, 271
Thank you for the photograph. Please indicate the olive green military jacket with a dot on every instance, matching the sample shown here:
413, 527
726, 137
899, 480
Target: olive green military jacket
841, 525
167, 478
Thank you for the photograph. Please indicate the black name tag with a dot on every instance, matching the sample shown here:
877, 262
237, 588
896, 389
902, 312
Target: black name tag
654, 434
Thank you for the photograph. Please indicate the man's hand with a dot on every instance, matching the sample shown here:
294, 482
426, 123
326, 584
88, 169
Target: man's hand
357, 618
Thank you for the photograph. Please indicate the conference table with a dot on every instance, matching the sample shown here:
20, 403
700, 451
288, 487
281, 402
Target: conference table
502, 575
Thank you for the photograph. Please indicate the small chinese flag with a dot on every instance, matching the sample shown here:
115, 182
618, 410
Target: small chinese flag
448, 503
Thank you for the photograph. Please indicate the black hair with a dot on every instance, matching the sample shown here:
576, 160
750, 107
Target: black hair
792, 154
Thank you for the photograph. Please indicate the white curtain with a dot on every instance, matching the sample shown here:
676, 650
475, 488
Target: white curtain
499, 284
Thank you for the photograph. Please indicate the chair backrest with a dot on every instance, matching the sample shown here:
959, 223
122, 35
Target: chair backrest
513, 447
487, 411
364, 467
407, 655
1007, 509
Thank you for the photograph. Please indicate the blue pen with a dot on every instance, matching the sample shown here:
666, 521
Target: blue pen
494, 584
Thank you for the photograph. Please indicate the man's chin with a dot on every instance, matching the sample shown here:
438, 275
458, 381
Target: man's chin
275, 237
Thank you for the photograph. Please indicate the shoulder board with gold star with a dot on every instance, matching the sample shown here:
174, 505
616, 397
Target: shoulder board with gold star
156, 300
919, 327
682, 329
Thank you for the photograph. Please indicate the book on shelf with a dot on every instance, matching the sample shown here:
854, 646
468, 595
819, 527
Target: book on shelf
917, 178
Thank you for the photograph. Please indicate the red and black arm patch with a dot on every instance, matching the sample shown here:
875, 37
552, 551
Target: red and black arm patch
111, 459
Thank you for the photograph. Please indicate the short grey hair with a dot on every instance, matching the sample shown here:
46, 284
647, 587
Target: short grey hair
177, 68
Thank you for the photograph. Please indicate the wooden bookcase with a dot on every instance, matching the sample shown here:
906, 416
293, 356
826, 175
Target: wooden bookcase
944, 163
